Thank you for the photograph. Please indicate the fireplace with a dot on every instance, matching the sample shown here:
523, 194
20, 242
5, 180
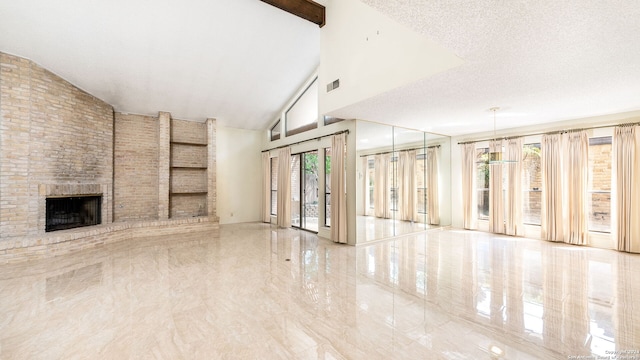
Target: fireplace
72, 212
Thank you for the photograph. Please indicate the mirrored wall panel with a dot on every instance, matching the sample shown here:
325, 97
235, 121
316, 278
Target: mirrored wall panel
401, 175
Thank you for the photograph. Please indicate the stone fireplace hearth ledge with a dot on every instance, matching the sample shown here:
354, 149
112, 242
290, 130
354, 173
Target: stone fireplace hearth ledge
13, 250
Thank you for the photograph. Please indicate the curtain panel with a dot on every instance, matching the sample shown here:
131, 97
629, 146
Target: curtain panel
381, 186
284, 188
496, 204
626, 192
338, 189
564, 187
469, 200
513, 194
365, 187
407, 185
575, 170
433, 185
551, 170
266, 187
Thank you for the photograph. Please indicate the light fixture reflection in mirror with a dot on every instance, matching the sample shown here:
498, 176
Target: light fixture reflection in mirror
393, 177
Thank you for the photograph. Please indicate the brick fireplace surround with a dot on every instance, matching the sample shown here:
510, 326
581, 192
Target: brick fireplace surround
156, 175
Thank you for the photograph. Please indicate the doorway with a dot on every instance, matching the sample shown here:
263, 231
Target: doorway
304, 191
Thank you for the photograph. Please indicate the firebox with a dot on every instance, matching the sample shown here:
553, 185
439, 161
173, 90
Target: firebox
72, 212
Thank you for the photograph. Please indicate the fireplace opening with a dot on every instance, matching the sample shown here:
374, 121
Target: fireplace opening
72, 212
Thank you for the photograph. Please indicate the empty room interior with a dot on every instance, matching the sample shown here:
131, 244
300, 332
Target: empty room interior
328, 179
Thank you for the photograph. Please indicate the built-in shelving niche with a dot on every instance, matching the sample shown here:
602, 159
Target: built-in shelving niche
188, 177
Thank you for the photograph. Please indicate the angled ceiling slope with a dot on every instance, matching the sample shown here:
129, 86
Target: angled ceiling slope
236, 60
540, 61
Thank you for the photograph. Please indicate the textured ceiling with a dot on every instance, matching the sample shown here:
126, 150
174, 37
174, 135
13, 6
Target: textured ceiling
540, 61
236, 60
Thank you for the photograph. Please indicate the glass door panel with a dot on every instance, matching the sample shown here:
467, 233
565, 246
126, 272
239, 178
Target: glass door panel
295, 190
310, 194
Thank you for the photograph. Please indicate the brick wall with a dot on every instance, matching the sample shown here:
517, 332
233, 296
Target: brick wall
189, 185
188, 156
57, 140
52, 134
188, 132
135, 182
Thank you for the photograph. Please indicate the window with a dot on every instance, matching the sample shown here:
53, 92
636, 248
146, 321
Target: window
327, 187
275, 131
274, 186
328, 120
421, 182
600, 184
303, 114
531, 184
393, 182
371, 174
482, 182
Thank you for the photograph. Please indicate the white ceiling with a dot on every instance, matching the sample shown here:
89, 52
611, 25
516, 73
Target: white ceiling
236, 60
540, 61
240, 60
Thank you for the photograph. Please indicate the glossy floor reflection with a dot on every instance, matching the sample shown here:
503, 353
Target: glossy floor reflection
255, 292
371, 228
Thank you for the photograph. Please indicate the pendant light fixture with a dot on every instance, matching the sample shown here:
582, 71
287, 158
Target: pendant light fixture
495, 156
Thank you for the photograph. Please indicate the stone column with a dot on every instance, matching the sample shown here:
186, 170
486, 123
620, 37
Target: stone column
211, 170
164, 163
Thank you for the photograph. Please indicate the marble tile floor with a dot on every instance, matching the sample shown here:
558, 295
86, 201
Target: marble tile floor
252, 291
371, 228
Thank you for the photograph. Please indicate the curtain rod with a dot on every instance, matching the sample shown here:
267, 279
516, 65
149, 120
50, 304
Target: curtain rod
547, 133
302, 141
389, 152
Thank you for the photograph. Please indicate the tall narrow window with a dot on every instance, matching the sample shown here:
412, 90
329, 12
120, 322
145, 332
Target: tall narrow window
371, 174
303, 114
393, 182
327, 186
274, 186
600, 184
531, 184
275, 131
421, 183
482, 182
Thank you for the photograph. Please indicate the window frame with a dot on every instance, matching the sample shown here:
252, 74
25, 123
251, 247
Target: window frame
327, 195
590, 191
275, 136
305, 127
274, 192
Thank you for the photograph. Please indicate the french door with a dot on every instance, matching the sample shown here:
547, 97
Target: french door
304, 191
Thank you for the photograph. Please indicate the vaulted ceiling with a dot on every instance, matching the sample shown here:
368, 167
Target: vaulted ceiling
235, 60
240, 60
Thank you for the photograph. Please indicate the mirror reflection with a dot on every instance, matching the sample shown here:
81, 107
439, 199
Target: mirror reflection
399, 181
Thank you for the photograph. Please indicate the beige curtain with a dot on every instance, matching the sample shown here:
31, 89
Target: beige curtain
551, 164
469, 201
626, 172
338, 190
575, 167
284, 187
433, 188
380, 185
365, 185
496, 205
407, 185
513, 196
266, 187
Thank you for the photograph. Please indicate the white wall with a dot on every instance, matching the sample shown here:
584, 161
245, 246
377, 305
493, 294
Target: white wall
371, 53
239, 175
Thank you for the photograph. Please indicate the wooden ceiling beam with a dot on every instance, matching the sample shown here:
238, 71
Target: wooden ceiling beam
306, 9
